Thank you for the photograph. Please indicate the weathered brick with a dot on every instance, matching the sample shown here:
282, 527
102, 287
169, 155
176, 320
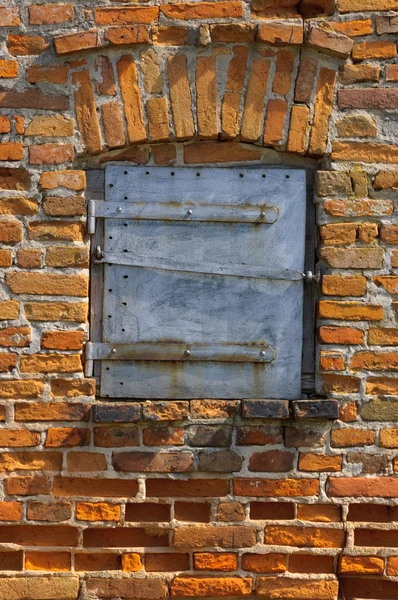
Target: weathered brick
322, 513
254, 103
50, 154
204, 10
54, 511
49, 74
374, 361
56, 311
112, 120
71, 388
220, 461
67, 437
26, 45
9, 16
272, 460
333, 183
283, 587
27, 486
72, 180
275, 121
329, 41
47, 283
319, 462
280, 32
51, 14
335, 285
120, 36
356, 126
197, 488
341, 335
126, 15
201, 536
153, 462
131, 97
301, 537
344, 438
190, 587
30, 461
215, 561
322, 111
86, 113
85, 462
93, 488
48, 561
276, 487
50, 363
209, 152
29, 258
141, 589
71, 206
50, 587
298, 129
170, 36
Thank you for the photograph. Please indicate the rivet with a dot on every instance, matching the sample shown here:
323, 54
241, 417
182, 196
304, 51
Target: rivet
119, 209
187, 353
262, 353
189, 212
113, 350
262, 214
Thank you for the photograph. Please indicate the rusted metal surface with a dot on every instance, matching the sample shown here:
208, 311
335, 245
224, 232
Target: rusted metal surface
186, 308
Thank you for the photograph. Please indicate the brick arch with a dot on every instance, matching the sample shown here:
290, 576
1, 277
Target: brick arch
270, 84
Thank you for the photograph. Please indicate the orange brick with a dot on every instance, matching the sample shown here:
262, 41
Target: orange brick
280, 33
10, 511
15, 438
206, 91
322, 111
67, 437
392, 566
180, 95
298, 129
213, 561
30, 461
340, 335
323, 513
344, 438
349, 311
196, 587
283, 72
361, 565
8, 361
67, 256
76, 42
5, 258
283, 587
11, 151
374, 361
126, 15
50, 154
354, 28
305, 80
275, 122
55, 230
86, 112
230, 115
55, 311
336, 285
311, 537
62, 340
97, 511
374, 50
331, 361
264, 563
131, 98
131, 562
158, 119
338, 233
5, 124
204, 10
359, 73
170, 36
26, 45
47, 283
340, 384
319, 462
48, 561
29, 258
218, 153
254, 103
50, 74
391, 72
72, 180
10, 231
51, 363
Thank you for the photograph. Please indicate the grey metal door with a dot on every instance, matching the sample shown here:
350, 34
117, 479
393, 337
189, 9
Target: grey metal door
203, 282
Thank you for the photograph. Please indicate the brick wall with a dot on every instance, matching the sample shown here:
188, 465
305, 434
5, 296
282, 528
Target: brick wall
202, 498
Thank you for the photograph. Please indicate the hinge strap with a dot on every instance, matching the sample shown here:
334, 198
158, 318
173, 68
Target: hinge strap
171, 264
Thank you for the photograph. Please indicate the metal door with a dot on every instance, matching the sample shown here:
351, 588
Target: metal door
203, 282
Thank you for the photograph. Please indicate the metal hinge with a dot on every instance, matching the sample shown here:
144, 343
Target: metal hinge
232, 270
178, 352
184, 211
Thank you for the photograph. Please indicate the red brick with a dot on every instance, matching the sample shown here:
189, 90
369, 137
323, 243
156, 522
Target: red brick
220, 587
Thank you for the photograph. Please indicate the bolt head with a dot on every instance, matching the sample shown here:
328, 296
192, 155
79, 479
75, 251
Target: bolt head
189, 212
